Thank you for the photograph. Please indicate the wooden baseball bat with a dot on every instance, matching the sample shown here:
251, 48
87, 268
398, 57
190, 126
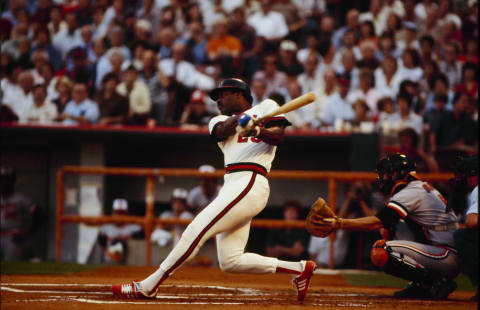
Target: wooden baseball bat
294, 104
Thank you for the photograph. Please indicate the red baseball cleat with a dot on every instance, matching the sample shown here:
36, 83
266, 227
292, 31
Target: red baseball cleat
130, 290
302, 281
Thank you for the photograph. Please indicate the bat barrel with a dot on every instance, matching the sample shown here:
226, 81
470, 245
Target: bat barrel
291, 105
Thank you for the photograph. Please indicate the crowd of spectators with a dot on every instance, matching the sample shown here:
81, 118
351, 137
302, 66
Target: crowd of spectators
379, 65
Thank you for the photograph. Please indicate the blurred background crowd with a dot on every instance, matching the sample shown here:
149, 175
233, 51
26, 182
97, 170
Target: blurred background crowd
399, 68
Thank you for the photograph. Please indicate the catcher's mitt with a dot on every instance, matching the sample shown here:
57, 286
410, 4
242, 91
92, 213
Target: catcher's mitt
321, 220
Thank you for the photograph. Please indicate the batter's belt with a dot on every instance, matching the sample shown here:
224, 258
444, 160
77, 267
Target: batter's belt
238, 167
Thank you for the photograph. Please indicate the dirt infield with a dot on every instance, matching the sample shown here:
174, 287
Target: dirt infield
204, 288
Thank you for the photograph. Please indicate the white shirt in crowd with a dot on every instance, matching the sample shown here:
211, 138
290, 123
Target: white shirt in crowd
402, 45
295, 118
307, 7
337, 107
186, 74
413, 121
197, 199
52, 93
383, 87
113, 231
10, 93
421, 11
103, 67
270, 26
162, 237
64, 41
139, 97
371, 97
387, 121
319, 249
37, 78
379, 21
414, 74
452, 71
44, 114
16, 99
311, 113
303, 53
87, 108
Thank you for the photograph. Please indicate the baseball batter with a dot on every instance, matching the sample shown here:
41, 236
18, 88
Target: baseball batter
431, 261
248, 154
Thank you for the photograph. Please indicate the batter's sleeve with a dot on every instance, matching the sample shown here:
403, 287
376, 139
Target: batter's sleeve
214, 122
268, 105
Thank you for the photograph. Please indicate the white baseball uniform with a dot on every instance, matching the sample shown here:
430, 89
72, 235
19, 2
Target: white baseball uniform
243, 195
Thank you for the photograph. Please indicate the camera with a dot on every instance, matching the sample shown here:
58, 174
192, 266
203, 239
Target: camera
360, 193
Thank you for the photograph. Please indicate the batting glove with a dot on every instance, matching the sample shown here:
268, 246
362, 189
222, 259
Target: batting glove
246, 126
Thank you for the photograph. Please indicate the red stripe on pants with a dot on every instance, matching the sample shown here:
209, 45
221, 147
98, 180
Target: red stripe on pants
204, 231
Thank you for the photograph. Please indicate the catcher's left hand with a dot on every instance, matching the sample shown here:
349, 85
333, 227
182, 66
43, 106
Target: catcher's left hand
321, 220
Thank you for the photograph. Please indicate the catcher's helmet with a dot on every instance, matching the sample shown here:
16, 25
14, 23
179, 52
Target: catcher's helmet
232, 84
398, 163
401, 164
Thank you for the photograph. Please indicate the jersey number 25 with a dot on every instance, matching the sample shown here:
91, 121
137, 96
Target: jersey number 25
245, 139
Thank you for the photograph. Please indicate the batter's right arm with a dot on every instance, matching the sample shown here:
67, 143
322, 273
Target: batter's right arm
225, 129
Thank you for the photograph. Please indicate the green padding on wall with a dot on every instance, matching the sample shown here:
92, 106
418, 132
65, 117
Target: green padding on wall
364, 152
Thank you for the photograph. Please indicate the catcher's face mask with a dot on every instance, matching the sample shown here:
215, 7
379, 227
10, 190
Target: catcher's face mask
385, 176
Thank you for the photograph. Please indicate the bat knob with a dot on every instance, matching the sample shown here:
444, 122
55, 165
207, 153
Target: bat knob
243, 120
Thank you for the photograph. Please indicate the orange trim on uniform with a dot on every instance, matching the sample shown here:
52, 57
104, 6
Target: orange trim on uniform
397, 185
398, 209
423, 252
413, 174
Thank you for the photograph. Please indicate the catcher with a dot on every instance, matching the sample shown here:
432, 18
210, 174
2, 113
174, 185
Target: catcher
430, 262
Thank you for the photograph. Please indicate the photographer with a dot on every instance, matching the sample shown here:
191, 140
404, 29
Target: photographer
345, 245
359, 198
356, 203
113, 238
288, 243
21, 222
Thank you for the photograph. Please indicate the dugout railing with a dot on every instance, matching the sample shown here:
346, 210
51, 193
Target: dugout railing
149, 220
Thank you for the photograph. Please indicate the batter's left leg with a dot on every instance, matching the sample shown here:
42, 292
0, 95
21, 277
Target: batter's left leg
232, 208
232, 258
